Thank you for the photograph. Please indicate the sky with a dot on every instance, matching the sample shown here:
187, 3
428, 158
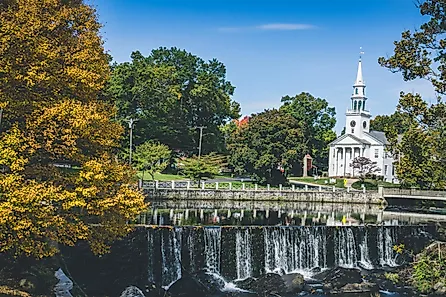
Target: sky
275, 48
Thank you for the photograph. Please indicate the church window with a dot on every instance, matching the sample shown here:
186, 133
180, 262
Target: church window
353, 131
355, 105
364, 124
376, 153
385, 169
356, 91
363, 105
359, 105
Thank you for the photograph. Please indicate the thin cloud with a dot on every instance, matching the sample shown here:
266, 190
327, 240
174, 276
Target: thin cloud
269, 27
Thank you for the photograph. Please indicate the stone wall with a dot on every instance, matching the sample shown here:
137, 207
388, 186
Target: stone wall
262, 195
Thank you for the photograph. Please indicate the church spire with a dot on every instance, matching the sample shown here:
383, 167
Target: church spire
359, 80
358, 98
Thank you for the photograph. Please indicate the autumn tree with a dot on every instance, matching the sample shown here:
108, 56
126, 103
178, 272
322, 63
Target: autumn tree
272, 140
152, 157
420, 54
317, 121
171, 91
364, 167
52, 70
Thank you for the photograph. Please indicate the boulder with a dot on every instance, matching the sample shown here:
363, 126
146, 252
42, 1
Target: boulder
212, 281
269, 284
339, 277
294, 282
132, 291
187, 286
364, 287
247, 284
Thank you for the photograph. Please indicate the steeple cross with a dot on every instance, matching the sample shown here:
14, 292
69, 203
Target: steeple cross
361, 52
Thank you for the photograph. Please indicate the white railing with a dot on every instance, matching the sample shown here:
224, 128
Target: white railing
233, 186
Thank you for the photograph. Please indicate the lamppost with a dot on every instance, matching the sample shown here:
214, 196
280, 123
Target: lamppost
201, 137
131, 123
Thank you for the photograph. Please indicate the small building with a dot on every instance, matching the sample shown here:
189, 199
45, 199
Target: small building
358, 140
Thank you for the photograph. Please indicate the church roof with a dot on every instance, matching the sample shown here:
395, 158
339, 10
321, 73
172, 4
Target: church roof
359, 80
351, 136
379, 135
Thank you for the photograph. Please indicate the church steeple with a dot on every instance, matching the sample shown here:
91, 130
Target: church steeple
358, 98
357, 116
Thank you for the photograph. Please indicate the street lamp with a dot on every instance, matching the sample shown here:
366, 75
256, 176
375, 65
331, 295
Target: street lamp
201, 137
131, 123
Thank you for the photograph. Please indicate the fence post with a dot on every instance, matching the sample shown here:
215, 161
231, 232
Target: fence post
334, 189
188, 184
363, 189
320, 188
243, 186
267, 187
156, 184
306, 188
348, 189
230, 186
293, 188
216, 185
280, 187
202, 185
173, 184
140, 184
255, 187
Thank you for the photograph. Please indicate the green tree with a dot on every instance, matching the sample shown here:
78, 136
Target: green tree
172, 91
317, 120
384, 123
421, 54
271, 141
206, 166
152, 157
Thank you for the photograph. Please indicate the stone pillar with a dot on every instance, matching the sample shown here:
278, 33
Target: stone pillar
267, 213
280, 187
186, 215
230, 186
188, 184
320, 188
201, 214
306, 188
243, 186
293, 188
202, 185
216, 185
229, 213
268, 187
156, 184
254, 213
173, 184
255, 187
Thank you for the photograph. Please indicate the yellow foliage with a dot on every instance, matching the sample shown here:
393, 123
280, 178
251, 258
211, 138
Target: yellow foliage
52, 70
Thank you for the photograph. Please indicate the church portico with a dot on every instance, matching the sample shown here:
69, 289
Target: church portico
358, 140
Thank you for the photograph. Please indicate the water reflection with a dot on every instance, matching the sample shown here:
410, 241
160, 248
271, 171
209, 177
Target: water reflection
273, 213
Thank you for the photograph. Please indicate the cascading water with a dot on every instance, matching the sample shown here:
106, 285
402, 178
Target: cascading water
364, 251
386, 241
294, 249
345, 248
212, 242
243, 253
150, 246
171, 257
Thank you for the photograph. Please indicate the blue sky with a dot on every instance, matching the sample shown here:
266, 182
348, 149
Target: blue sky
274, 48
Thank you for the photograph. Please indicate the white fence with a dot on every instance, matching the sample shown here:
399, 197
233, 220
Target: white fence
230, 186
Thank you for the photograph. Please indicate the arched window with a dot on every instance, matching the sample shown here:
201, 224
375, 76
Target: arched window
363, 106
356, 91
355, 105
359, 105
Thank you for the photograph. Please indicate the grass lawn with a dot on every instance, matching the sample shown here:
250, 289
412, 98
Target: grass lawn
162, 176
323, 181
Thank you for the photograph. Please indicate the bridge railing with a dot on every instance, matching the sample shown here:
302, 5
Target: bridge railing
236, 186
413, 192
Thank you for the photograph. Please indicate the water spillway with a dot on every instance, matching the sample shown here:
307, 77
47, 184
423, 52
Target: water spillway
239, 252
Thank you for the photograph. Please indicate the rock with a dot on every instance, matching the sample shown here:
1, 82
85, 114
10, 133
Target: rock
26, 284
270, 283
339, 277
359, 288
187, 286
247, 284
132, 291
294, 282
213, 282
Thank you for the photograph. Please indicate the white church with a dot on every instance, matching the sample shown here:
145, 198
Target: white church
358, 140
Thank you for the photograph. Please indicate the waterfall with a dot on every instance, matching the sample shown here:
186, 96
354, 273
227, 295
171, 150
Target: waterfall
386, 241
150, 247
191, 248
345, 248
171, 256
243, 253
289, 249
364, 251
212, 242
